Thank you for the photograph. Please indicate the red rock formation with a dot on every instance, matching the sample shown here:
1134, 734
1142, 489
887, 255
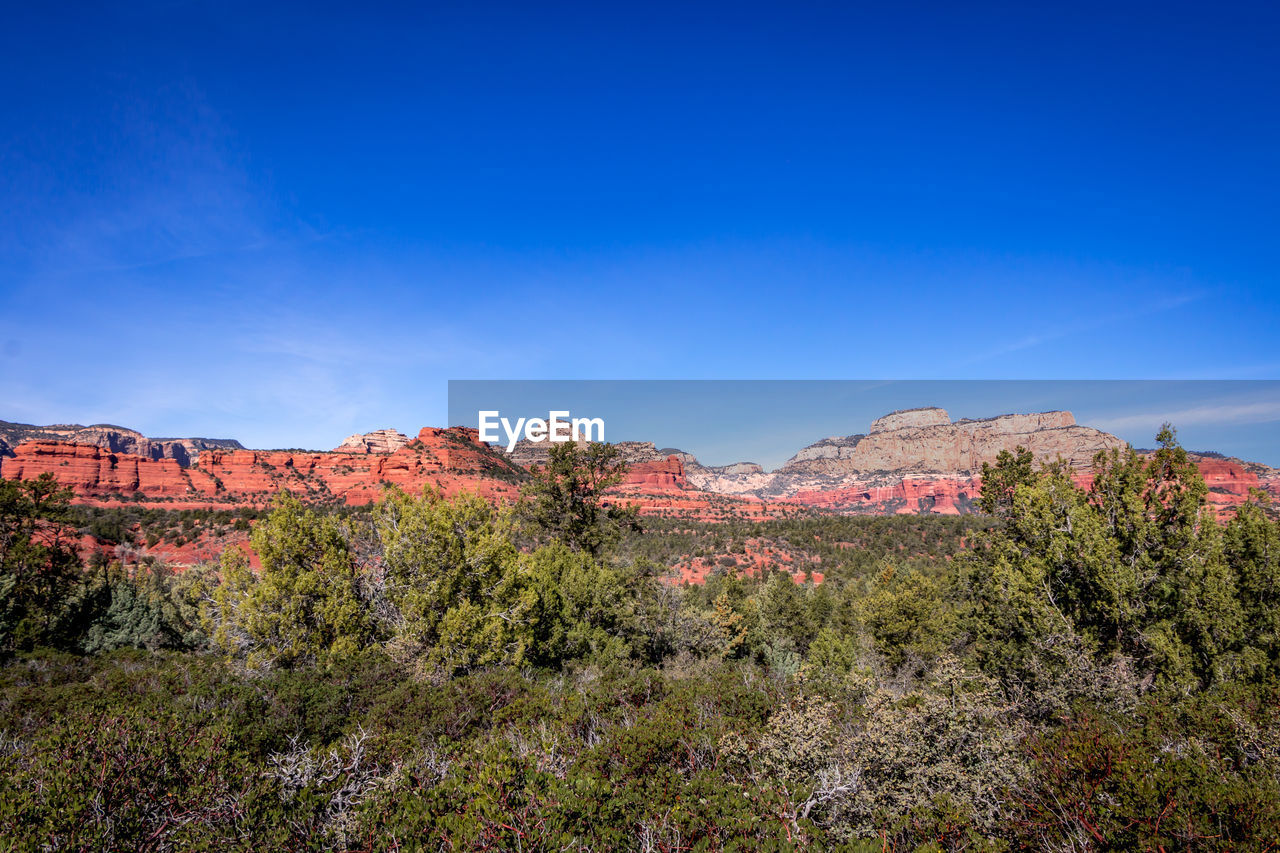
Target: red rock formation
92, 471
449, 460
918, 460
940, 495
664, 475
1227, 477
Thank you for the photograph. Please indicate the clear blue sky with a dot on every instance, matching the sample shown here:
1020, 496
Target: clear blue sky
287, 223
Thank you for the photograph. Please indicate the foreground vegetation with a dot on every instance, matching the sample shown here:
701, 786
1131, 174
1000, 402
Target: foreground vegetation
1072, 671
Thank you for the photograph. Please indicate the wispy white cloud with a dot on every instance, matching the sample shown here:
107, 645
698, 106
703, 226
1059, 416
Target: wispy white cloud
1060, 332
1226, 414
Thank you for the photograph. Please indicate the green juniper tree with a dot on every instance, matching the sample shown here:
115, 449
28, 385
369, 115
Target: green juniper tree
40, 569
451, 577
1000, 480
566, 498
1133, 572
305, 605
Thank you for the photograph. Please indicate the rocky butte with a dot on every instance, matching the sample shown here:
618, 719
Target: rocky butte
378, 441
914, 460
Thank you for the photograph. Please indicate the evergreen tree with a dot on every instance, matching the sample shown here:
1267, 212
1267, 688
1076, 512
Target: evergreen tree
305, 606
451, 577
40, 569
566, 498
1000, 480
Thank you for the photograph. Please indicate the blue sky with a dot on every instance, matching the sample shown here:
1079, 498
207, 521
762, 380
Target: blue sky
286, 223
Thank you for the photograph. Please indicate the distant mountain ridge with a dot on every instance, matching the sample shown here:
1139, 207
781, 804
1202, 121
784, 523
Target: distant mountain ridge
117, 439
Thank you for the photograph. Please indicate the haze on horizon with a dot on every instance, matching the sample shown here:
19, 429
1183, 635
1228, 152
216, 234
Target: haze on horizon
286, 224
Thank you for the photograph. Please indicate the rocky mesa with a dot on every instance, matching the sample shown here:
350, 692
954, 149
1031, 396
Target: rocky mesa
927, 441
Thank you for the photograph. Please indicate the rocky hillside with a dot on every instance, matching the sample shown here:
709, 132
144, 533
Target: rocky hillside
919, 460
115, 439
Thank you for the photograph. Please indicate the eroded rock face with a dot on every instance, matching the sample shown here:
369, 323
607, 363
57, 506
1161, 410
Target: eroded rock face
448, 460
920, 461
93, 471
185, 451
827, 449
116, 439
742, 478
905, 418
920, 465
663, 475
1232, 481
924, 442
916, 460
905, 496
380, 441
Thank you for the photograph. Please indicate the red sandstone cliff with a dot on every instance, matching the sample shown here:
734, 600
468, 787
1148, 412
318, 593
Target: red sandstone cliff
449, 460
661, 475
92, 471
